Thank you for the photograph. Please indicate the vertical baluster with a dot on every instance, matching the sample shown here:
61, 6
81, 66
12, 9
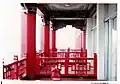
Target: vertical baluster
95, 64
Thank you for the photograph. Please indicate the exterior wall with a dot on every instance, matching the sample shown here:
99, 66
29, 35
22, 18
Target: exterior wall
107, 42
78, 39
78, 42
102, 40
111, 18
42, 38
38, 32
89, 37
100, 44
23, 35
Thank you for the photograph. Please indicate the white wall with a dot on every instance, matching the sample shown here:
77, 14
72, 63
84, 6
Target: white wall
106, 69
113, 46
38, 32
89, 37
78, 39
110, 42
101, 43
42, 37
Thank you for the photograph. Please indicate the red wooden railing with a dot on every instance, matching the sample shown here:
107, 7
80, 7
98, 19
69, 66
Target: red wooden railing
69, 62
15, 70
70, 66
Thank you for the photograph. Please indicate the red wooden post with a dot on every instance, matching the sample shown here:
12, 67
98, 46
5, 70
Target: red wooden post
67, 61
53, 39
31, 44
75, 65
86, 61
46, 37
86, 53
95, 64
54, 43
81, 53
84, 39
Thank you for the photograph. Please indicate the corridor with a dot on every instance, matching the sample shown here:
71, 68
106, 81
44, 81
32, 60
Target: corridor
89, 53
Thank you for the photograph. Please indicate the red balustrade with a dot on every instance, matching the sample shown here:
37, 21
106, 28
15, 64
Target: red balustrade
78, 66
74, 63
15, 70
69, 62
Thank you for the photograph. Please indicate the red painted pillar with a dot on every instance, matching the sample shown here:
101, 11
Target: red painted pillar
84, 40
31, 44
54, 43
53, 40
46, 38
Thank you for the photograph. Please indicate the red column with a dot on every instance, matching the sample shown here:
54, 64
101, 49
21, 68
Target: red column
83, 39
46, 38
31, 45
53, 40
54, 54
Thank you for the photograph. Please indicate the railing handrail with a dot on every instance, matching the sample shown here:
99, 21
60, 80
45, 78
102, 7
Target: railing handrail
14, 62
82, 58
